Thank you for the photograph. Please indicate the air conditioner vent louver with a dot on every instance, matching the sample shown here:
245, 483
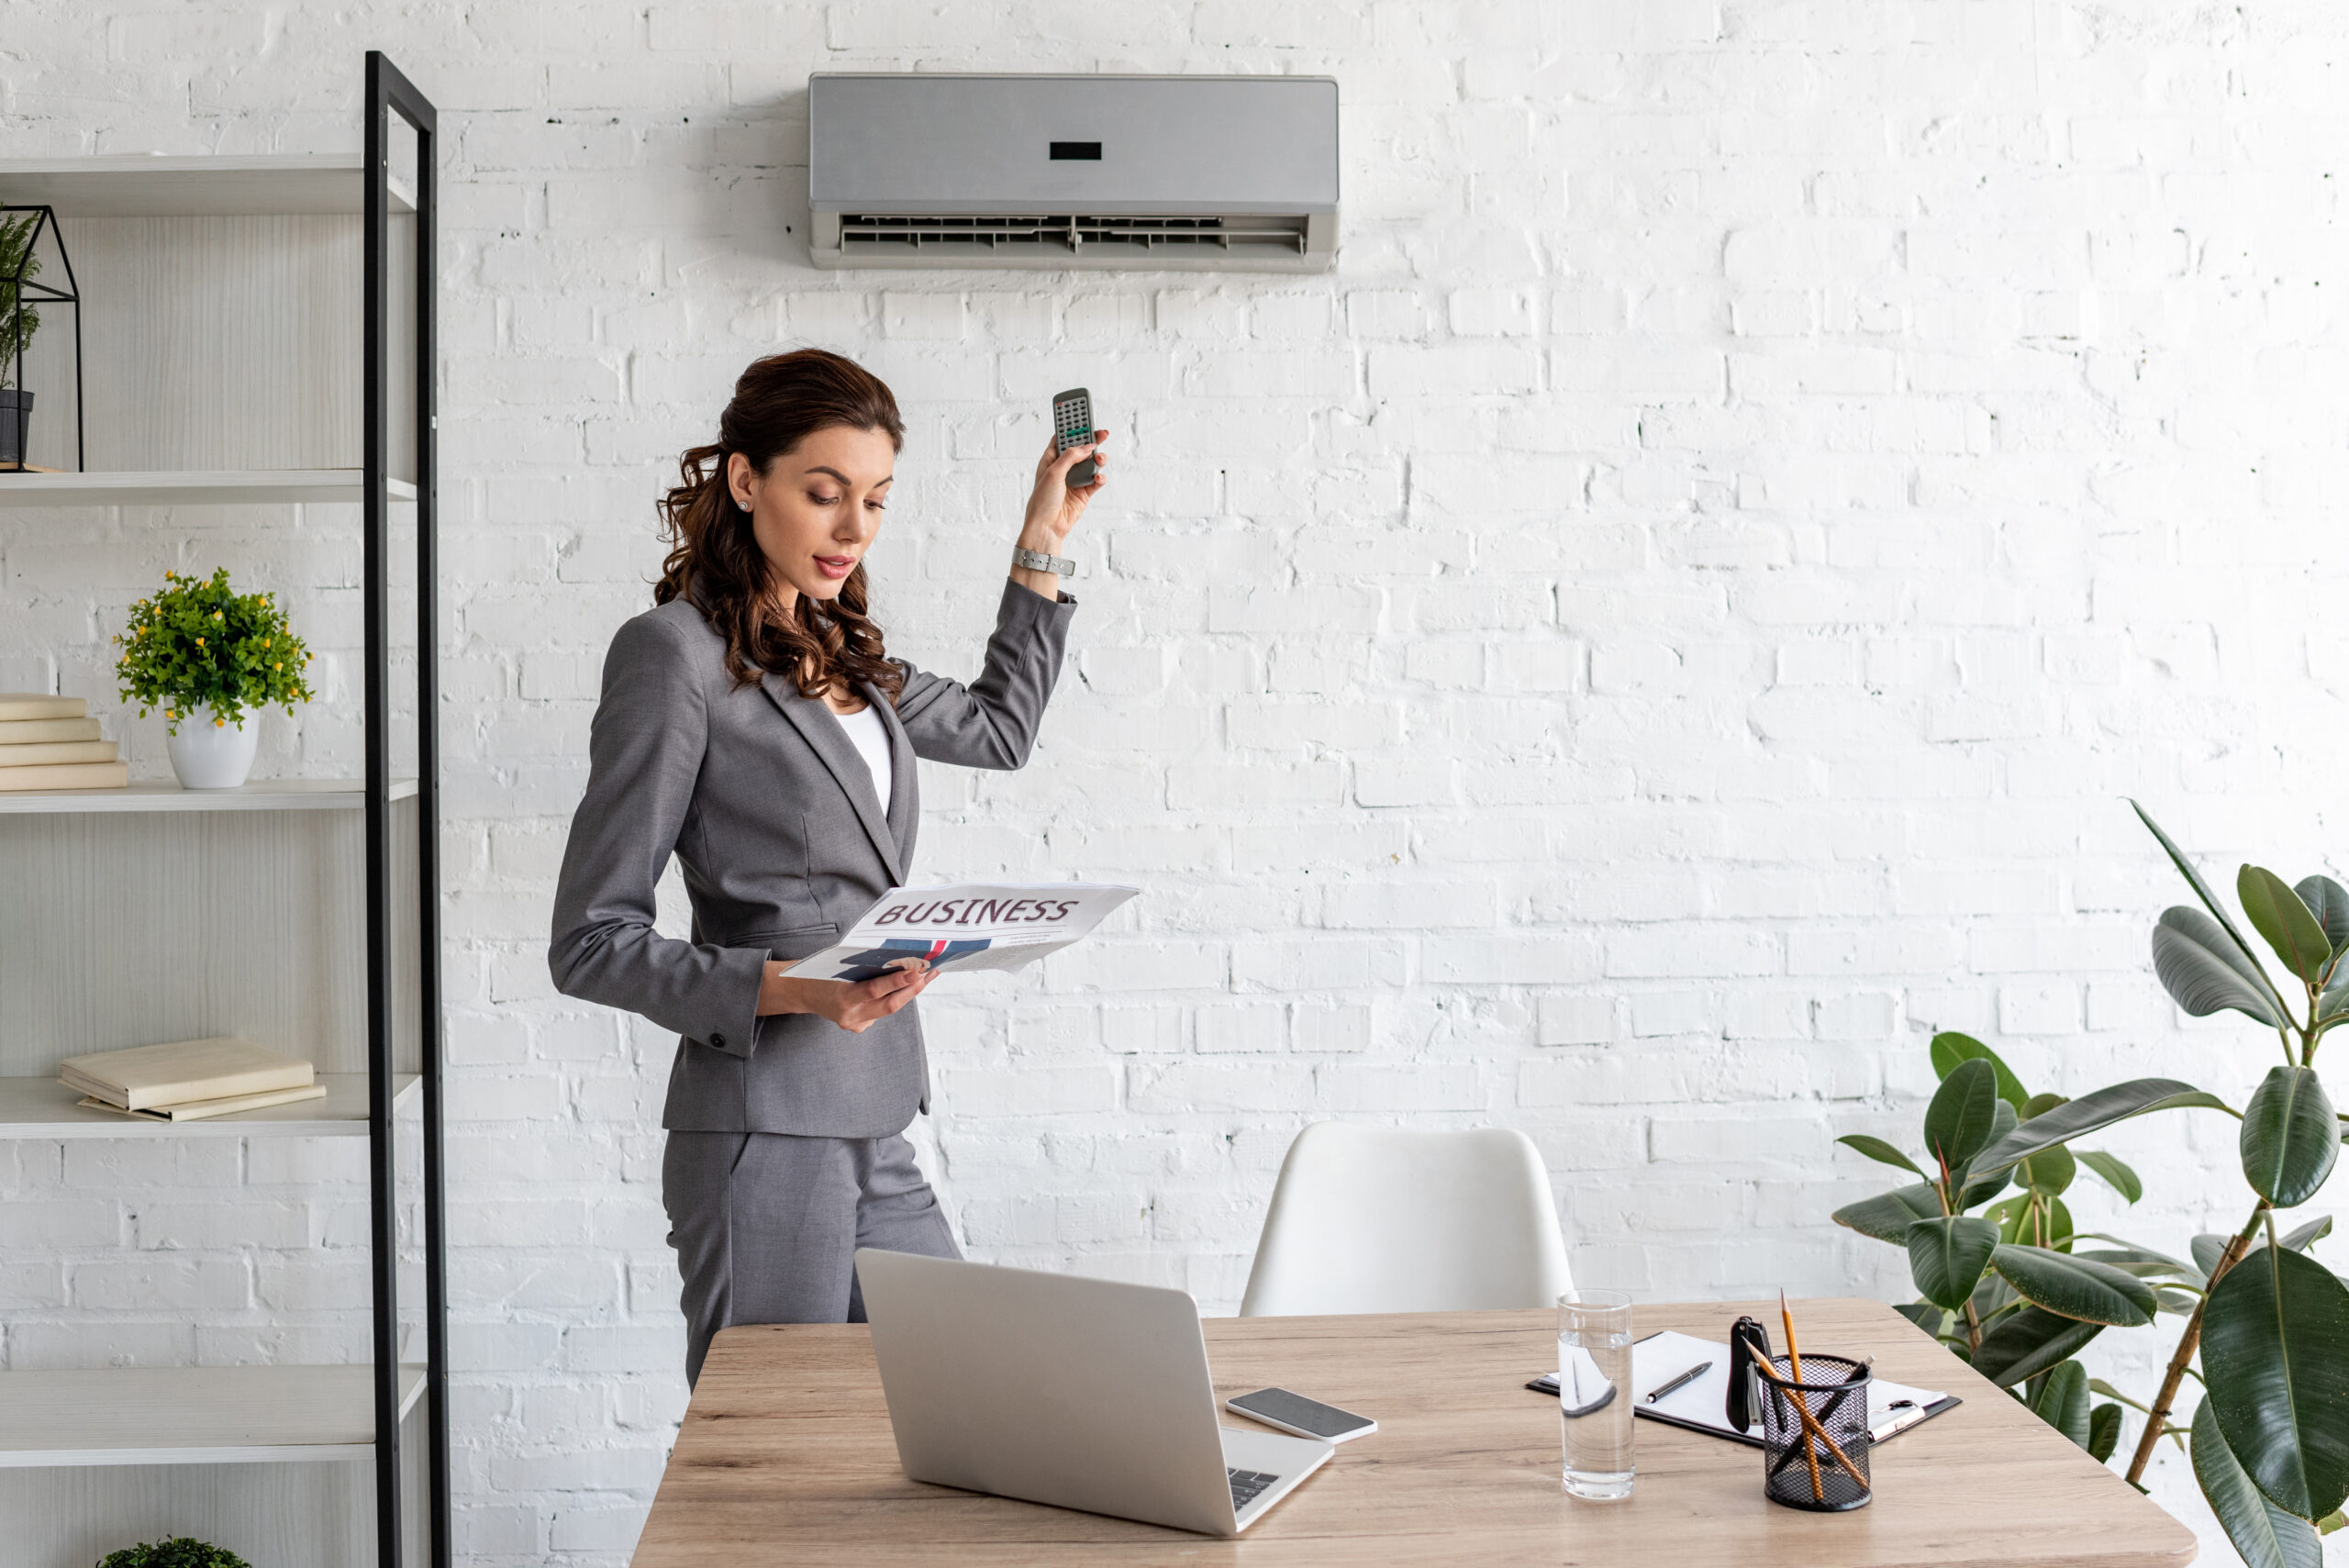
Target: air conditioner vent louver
1074, 232
1054, 173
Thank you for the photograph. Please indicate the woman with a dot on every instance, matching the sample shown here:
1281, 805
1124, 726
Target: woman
751, 726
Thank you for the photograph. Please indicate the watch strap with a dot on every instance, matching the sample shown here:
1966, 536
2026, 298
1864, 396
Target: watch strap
1037, 560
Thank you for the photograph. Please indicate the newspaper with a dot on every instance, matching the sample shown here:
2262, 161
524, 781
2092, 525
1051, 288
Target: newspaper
966, 926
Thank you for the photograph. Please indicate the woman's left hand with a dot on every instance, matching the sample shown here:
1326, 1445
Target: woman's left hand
1054, 506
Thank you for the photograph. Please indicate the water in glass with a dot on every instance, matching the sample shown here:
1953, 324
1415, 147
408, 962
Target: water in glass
1594, 1392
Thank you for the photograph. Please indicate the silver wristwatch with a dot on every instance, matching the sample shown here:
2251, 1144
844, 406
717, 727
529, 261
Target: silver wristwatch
1037, 560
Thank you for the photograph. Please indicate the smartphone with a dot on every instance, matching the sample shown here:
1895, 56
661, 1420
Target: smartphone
1306, 1418
1073, 426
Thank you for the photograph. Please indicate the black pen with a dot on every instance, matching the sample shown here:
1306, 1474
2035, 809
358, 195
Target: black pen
1691, 1376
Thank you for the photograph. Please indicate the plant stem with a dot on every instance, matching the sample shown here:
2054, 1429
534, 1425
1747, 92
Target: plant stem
2186, 1344
1973, 1328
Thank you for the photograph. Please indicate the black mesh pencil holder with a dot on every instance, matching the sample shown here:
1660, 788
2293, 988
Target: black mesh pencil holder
1825, 1467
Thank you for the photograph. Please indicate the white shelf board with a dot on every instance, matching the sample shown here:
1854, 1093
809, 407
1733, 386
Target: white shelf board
143, 185
45, 1108
165, 794
192, 488
192, 1414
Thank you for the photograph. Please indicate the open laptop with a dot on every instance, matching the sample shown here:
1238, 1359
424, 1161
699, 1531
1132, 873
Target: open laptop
1081, 1393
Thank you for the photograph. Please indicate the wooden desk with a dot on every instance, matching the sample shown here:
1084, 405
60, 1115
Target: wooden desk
786, 1457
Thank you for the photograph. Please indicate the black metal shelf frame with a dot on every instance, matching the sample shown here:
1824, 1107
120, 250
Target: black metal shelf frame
389, 92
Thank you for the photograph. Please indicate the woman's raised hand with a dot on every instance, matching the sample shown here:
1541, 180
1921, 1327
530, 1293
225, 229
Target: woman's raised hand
1054, 506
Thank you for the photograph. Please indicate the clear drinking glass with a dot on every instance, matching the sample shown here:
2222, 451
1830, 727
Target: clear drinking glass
1594, 1392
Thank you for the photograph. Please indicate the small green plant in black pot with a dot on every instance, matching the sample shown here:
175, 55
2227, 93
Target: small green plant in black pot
185, 1552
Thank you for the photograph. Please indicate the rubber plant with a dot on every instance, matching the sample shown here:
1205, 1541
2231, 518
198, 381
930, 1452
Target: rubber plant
2270, 1440
2268, 1323
2003, 1278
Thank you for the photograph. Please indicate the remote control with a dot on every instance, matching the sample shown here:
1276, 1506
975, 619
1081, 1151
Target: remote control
1073, 426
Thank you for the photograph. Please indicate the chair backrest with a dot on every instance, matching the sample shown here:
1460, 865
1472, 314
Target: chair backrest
1380, 1220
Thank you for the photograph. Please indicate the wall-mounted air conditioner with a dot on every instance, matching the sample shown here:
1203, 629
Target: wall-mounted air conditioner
1199, 173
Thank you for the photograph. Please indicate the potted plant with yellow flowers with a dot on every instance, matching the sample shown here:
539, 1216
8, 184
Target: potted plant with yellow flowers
206, 654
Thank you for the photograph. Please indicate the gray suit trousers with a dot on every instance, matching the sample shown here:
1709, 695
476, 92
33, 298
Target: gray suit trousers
766, 1225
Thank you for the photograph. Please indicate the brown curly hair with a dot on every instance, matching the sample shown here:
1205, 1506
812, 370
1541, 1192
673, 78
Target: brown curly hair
714, 559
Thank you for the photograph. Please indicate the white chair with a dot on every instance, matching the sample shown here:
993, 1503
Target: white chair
1378, 1219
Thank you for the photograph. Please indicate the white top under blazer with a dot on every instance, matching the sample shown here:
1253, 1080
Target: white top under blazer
872, 743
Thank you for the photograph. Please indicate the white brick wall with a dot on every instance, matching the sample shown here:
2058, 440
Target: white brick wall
1662, 628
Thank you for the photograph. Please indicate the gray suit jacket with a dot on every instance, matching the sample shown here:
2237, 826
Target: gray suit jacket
761, 797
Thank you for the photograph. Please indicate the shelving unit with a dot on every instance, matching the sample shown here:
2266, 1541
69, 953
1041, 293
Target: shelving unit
165, 794
230, 487
149, 185
192, 1414
316, 901
45, 1108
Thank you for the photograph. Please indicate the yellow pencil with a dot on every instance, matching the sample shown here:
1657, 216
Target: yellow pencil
1794, 1361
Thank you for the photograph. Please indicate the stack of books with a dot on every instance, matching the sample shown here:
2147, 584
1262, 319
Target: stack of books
52, 743
190, 1079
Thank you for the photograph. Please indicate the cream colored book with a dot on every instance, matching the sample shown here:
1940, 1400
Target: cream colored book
44, 753
228, 1104
41, 731
146, 1076
34, 704
67, 776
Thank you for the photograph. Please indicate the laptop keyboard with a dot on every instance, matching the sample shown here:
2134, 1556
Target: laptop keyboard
1245, 1484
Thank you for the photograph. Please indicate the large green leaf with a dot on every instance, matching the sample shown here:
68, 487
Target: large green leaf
2203, 973
2030, 1221
2142, 1254
2119, 1176
1981, 1187
1946, 1257
2139, 1096
1958, 1121
2141, 1261
2262, 1535
2049, 1172
2329, 902
2276, 1354
1950, 1048
2104, 1431
2063, 1401
2202, 891
2074, 1287
2277, 914
1925, 1315
2028, 1342
1888, 1216
2290, 1138
2301, 1238
1876, 1148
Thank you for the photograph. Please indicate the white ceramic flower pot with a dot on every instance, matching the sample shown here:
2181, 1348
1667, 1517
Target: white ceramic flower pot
207, 755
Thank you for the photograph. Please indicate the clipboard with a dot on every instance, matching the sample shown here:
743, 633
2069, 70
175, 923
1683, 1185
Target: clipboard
1701, 1406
